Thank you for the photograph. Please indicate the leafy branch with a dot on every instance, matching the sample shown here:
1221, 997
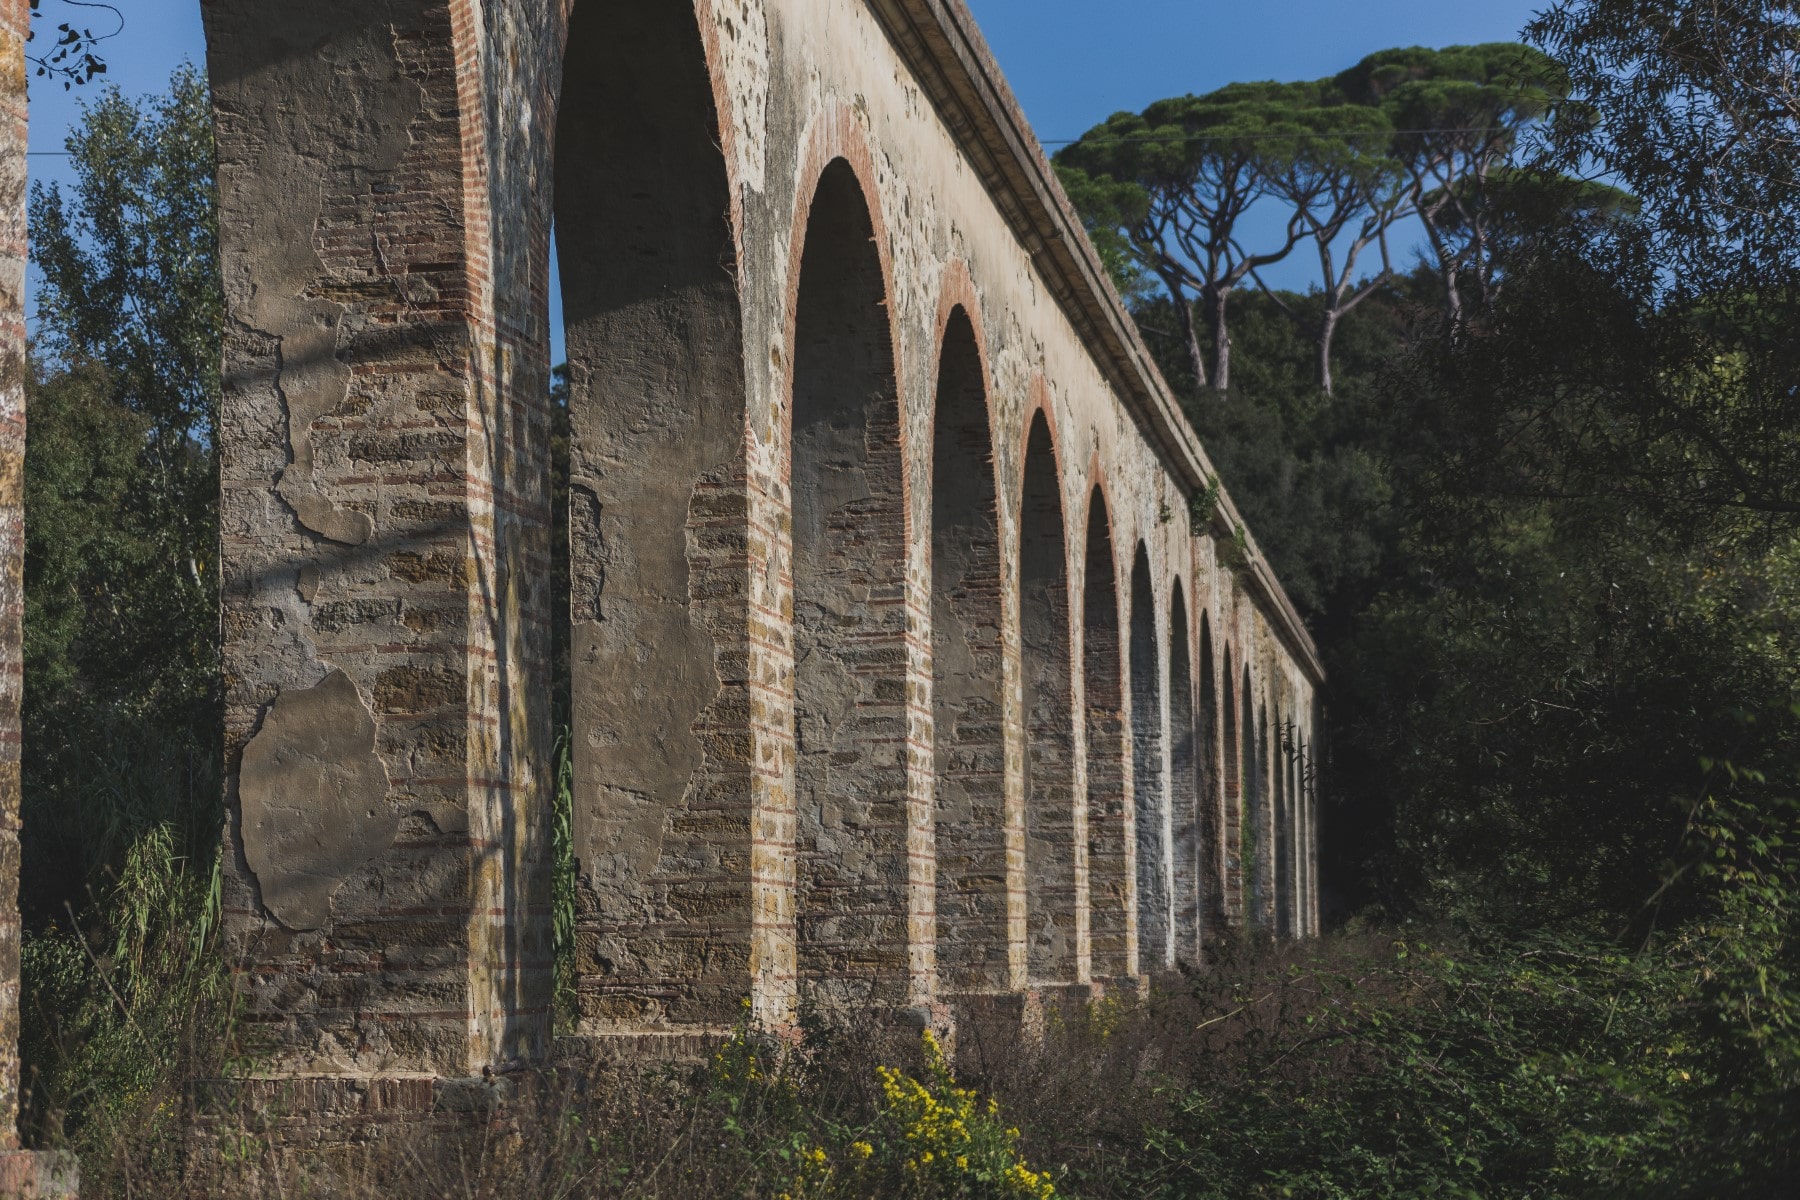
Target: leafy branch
72, 58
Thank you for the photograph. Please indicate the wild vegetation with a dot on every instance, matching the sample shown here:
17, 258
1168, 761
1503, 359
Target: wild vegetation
1536, 495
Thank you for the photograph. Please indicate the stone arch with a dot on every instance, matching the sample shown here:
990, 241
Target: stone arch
1110, 855
1212, 780
1255, 837
1231, 787
1152, 818
967, 653
1187, 850
847, 472
1281, 810
646, 253
1054, 846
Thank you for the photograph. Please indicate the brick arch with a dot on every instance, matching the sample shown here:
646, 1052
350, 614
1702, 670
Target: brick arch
1231, 781
1282, 799
1185, 823
724, 105
974, 812
1211, 756
1038, 401
833, 136
1111, 855
1053, 863
863, 829
957, 291
1253, 835
1151, 817
657, 408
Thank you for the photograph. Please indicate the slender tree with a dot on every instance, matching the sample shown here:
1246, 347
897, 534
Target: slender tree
1170, 187
1458, 116
1340, 180
121, 602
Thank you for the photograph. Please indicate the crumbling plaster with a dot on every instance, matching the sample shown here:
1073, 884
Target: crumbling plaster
386, 180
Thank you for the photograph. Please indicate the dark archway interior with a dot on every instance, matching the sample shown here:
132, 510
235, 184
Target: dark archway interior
656, 395
1186, 827
1255, 823
969, 718
1211, 786
1151, 818
849, 610
1284, 830
1052, 849
1109, 878
1232, 789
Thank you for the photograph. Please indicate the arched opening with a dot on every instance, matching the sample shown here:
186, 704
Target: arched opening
1053, 836
1306, 801
1257, 801
1302, 835
967, 667
1211, 767
1309, 800
1151, 817
1282, 811
660, 818
1184, 787
850, 653
1231, 789
1250, 840
1108, 781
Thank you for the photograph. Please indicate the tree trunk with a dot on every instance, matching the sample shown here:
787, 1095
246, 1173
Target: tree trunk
1184, 318
1447, 267
1452, 293
1216, 300
1328, 324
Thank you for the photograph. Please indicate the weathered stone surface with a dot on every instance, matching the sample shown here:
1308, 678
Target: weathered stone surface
902, 667
15, 18
314, 796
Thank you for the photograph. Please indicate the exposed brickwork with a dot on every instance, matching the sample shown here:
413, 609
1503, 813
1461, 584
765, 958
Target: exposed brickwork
902, 672
1057, 937
974, 826
1187, 829
663, 819
1111, 852
1150, 824
855, 844
15, 16
382, 438
25, 1174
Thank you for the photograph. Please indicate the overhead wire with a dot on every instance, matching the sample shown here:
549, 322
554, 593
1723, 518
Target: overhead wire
1346, 134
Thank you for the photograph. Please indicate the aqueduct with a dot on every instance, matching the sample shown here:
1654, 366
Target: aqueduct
913, 663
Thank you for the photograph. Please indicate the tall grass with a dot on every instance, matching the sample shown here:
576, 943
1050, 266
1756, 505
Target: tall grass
562, 884
124, 992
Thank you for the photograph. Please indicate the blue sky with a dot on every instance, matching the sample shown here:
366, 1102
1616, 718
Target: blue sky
1071, 62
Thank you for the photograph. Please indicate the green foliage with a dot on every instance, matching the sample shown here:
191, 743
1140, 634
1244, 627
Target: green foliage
1163, 192
1548, 1067
923, 1136
1547, 545
121, 480
123, 985
119, 1011
1303, 468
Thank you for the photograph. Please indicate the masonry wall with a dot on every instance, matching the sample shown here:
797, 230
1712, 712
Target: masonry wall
26, 1174
14, 23
875, 557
